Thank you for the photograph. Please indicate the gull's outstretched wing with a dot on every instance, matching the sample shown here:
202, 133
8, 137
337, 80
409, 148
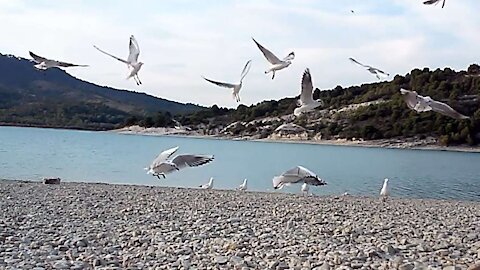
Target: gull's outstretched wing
429, 2
358, 63
111, 55
445, 109
64, 64
38, 58
164, 156
222, 84
134, 50
306, 95
245, 70
268, 54
183, 161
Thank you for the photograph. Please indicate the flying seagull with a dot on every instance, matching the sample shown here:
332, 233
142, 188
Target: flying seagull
384, 191
235, 87
305, 189
243, 186
306, 101
277, 64
209, 185
44, 63
375, 71
295, 175
164, 164
429, 2
420, 103
132, 60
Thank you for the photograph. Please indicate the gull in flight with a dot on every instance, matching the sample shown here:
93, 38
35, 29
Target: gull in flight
164, 164
44, 63
305, 189
132, 60
375, 71
243, 186
306, 101
429, 2
209, 185
277, 64
420, 103
384, 193
235, 87
295, 175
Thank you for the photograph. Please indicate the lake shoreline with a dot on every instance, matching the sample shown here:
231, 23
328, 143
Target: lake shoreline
87, 225
387, 144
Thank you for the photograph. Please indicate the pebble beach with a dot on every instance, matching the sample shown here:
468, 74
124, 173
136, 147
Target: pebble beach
104, 226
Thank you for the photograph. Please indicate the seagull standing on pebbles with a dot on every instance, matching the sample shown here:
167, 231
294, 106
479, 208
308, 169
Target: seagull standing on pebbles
375, 71
420, 103
305, 189
163, 165
384, 193
44, 63
295, 175
306, 101
243, 186
235, 87
277, 64
132, 60
209, 185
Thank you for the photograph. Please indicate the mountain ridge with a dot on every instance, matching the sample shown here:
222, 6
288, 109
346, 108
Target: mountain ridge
26, 92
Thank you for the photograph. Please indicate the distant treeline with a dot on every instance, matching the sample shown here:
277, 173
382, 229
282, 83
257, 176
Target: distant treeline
388, 119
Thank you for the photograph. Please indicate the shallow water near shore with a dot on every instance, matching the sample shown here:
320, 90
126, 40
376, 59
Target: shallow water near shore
33, 153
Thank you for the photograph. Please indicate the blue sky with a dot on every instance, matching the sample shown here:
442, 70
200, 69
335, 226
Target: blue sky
184, 39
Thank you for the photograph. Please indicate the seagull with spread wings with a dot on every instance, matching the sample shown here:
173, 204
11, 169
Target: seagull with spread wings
429, 2
420, 103
306, 101
132, 60
164, 164
276, 63
235, 87
296, 175
375, 71
44, 63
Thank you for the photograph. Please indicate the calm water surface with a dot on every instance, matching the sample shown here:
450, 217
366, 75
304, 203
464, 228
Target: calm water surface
33, 153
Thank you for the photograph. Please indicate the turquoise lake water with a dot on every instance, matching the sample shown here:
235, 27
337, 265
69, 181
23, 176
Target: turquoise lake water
82, 156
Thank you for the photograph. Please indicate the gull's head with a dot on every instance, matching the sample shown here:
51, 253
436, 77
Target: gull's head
385, 180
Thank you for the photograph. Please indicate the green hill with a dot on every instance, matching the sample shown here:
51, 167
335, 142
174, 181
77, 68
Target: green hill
382, 113
53, 98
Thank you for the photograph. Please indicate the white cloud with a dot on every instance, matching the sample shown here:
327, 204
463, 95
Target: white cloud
182, 40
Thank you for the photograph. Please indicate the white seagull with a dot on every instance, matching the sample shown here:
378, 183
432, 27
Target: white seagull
209, 185
295, 175
305, 189
163, 164
306, 101
375, 71
243, 186
420, 103
384, 193
132, 60
277, 64
44, 63
235, 87
429, 2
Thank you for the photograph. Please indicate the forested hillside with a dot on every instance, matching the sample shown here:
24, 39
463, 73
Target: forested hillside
53, 98
382, 113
